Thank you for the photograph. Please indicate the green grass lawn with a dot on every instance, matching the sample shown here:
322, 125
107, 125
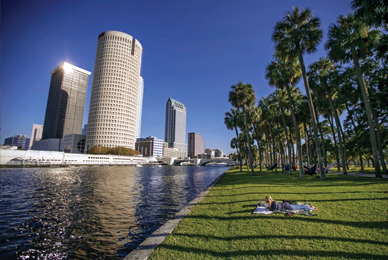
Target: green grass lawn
355, 168
352, 222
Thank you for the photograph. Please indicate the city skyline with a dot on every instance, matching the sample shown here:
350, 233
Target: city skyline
193, 52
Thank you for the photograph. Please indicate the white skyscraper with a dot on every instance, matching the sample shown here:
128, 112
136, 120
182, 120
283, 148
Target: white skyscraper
139, 107
115, 91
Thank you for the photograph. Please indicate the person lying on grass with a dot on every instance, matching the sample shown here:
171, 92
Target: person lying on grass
273, 205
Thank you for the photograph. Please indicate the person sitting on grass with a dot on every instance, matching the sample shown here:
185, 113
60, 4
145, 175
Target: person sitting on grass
273, 205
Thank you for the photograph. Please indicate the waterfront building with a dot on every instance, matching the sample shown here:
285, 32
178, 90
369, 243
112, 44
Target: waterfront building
52, 144
36, 134
73, 143
150, 146
66, 101
218, 153
21, 141
85, 129
175, 128
139, 108
115, 91
42, 158
171, 152
196, 145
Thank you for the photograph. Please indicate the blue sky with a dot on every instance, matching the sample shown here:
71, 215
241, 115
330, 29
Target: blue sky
193, 52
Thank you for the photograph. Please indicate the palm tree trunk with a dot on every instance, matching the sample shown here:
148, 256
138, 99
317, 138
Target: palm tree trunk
335, 142
307, 142
368, 112
337, 123
288, 143
290, 102
248, 140
358, 140
322, 140
379, 143
312, 112
239, 152
280, 147
293, 151
258, 145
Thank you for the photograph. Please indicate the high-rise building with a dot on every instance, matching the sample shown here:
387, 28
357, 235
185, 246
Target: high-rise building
66, 101
175, 129
21, 141
36, 134
115, 91
139, 107
85, 129
196, 145
150, 146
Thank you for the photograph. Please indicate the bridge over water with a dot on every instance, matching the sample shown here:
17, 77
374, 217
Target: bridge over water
197, 162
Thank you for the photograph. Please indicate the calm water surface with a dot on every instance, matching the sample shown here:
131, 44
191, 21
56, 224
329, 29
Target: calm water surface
91, 212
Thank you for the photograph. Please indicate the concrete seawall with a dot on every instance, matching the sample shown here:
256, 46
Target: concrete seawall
145, 249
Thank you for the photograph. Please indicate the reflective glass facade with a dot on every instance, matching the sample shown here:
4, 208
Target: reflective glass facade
175, 128
66, 101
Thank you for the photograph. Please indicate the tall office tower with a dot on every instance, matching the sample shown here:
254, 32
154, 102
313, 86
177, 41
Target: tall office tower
196, 145
115, 90
175, 130
139, 107
36, 134
66, 101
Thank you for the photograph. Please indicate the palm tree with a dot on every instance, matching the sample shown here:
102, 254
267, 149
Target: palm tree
283, 73
374, 12
231, 121
350, 39
323, 77
281, 98
243, 96
298, 33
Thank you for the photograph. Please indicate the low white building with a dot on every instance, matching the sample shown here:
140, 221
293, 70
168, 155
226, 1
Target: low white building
33, 157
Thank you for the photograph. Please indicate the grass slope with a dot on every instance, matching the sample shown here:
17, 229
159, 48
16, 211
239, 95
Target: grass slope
352, 222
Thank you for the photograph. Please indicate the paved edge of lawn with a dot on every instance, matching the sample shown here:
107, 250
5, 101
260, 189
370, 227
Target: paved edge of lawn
145, 249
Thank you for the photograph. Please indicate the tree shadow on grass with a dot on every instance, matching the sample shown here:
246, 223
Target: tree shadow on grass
358, 224
304, 193
272, 253
234, 238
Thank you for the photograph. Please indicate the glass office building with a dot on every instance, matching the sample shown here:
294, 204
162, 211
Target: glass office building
175, 128
66, 101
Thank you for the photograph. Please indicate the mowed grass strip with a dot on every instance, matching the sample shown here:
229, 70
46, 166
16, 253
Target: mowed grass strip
352, 222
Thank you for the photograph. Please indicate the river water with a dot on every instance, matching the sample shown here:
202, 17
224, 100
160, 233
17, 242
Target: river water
91, 212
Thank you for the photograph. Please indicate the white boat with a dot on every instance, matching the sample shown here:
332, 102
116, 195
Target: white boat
139, 165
